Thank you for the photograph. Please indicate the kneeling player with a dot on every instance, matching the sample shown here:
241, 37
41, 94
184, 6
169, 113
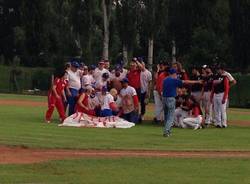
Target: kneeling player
195, 119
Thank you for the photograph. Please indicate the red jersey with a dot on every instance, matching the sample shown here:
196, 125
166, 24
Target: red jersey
85, 102
159, 81
60, 85
134, 78
196, 110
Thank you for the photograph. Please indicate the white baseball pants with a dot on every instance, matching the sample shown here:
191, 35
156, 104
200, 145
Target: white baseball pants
220, 112
179, 115
192, 122
159, 110
208, 107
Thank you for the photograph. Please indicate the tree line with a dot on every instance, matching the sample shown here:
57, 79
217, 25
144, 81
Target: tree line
49, 32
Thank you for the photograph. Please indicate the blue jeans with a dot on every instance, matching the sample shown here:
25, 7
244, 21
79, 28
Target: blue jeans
106, 112
72, 100
131, 117
169, 108
143, 105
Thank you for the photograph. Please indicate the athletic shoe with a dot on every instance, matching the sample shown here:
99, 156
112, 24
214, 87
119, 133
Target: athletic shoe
197, 127
166, 135
223, 126
218, 126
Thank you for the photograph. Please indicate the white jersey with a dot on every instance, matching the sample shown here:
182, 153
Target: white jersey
87, 80
107, 100
145, 78
100, 84
93, 102
229, 76
98, 73
128, 91
74, 79
114, 77
127, 95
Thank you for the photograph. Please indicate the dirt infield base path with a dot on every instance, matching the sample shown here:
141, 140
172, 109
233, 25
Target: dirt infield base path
18, 155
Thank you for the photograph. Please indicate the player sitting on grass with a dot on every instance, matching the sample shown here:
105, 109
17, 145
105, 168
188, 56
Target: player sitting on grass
195, 119
108, 105
83, 102
56, 96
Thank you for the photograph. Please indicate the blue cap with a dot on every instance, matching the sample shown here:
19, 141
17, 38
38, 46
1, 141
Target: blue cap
92, 67
74, 63
105, 75
172, 71
104, 89
125, 80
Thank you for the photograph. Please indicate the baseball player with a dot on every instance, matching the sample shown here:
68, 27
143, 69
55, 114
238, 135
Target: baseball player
195, 119
130, 102
208, 78
72, 90
56, 96
219, 97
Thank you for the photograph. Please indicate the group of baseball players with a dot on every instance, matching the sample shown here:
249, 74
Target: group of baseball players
180, 100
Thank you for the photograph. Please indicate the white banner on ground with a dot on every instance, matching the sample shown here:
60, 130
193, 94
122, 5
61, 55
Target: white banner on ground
84, 120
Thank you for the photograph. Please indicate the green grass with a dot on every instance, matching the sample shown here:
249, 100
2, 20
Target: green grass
24, 126
130, 170
23, 97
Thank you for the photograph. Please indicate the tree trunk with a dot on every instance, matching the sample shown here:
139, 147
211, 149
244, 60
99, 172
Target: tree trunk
173, 52
125, 54
150, 53
105, 54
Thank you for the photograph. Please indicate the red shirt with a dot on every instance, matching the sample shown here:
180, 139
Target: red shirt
159, 81
196, 111
134, 78
60, 85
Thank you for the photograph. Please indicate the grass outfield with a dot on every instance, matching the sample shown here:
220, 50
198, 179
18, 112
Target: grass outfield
130, 170
23, 126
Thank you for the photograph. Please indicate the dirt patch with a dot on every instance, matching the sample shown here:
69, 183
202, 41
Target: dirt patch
239, 123
17, 155
24, 103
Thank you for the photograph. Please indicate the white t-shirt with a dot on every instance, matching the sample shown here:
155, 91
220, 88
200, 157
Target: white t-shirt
87, 80
98, 73
107, 99
93, 102
229, 76
114, 77
128, 91
127, 99
74, 79
100, 84
145, 78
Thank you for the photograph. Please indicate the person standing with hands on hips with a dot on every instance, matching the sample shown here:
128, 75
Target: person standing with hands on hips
170, 85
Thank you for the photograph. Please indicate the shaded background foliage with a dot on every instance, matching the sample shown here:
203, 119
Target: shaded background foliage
48, 33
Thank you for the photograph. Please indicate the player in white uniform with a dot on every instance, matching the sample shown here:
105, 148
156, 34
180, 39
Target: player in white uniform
87, 78
99, 71
146, 80
130, 102
74, 77
108, 104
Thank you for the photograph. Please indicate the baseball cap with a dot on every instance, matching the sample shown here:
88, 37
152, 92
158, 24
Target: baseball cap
75, 64
104, 89
92, 67
125, 80
101, 62
205, 66
172, 71
105, 75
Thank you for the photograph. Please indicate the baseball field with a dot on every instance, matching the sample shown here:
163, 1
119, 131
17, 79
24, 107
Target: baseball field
32, 151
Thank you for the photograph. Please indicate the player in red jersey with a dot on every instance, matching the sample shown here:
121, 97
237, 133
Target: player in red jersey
56, 96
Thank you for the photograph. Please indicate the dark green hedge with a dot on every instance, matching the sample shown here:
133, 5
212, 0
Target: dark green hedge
240, 93
19, 79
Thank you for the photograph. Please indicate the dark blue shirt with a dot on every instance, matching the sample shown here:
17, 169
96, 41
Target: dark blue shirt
170, 85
